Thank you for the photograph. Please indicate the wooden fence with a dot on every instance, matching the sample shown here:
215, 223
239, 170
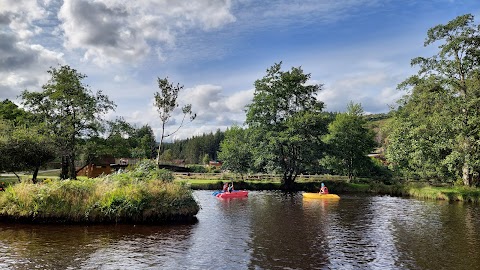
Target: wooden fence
257, 177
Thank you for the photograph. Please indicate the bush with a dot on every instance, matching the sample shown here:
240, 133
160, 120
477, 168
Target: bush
145, 170
197, 169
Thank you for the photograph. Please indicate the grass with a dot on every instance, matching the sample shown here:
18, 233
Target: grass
336, 184
465, 194
144, 196
341, 186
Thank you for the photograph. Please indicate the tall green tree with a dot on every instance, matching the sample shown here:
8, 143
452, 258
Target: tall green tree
166, 103
349, 141
286, 122
235, 150
145, 141
455, 69
421, 137
69, 110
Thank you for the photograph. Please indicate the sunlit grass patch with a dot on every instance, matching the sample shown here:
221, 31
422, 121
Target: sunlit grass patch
129, 197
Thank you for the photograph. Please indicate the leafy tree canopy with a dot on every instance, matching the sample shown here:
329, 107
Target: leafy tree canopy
69, 110
286, 121
349, 142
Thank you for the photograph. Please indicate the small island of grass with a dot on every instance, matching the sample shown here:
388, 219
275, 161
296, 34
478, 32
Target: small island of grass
142, 195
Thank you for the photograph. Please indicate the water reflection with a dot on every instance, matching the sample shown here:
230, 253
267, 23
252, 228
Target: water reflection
85, 247
267, 230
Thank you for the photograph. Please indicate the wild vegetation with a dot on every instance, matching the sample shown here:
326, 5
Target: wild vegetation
145, 194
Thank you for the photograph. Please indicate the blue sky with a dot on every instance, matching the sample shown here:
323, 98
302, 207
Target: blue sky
358, 49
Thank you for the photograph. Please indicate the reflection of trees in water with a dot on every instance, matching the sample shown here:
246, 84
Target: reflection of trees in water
440, 235
75, 246
285, 234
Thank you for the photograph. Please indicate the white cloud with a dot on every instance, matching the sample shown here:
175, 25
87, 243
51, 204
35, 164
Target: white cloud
372, 89
213, 106
23, 66
117, 31
214, 110
20, 15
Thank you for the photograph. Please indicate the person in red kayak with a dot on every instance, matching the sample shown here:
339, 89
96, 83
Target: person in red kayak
225, 187
323, 189
230, 187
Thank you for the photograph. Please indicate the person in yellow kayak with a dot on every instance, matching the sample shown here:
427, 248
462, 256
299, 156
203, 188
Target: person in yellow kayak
323, 189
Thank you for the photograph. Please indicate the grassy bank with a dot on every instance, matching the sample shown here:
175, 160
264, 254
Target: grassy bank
414, 190
134, 197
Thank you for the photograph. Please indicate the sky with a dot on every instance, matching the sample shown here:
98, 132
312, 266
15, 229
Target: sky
359, 50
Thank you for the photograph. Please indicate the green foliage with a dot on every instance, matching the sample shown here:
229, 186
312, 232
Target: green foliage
9, 111
349, 142
120, 139
435, 133
24, 149
197, 168
146, 170
286, 122
68, 110
98, 200
235, 150
197, 146
206, 159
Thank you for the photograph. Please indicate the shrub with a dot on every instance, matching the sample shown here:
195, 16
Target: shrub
145, 170
197, 168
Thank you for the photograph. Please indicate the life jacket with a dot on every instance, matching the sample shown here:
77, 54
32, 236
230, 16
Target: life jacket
324, 190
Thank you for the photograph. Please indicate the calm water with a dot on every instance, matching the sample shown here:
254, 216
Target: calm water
267, 230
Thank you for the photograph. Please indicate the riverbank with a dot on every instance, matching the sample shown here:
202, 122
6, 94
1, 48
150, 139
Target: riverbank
413, 190
121, 198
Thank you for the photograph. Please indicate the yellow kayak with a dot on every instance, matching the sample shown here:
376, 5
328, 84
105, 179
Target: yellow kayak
320, 196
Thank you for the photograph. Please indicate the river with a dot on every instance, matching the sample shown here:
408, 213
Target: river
267, 230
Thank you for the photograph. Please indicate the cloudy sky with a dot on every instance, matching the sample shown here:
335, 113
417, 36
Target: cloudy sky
358, 49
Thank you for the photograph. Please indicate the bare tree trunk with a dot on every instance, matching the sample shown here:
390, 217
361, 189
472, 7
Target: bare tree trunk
35, 174
64, 171
466, 173
71, 167
466, 176
161, 142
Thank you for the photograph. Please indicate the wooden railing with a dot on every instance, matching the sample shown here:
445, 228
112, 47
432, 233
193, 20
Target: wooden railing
256, 177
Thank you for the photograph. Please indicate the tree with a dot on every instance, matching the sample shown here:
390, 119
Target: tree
421, 138
69, 110
24, 149
145, 141
235, 150
206, 159
10, 111
455, 69
166, 103
286, 122
349, 142
167, 156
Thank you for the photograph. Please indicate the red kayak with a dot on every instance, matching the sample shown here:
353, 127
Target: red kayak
233, 194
